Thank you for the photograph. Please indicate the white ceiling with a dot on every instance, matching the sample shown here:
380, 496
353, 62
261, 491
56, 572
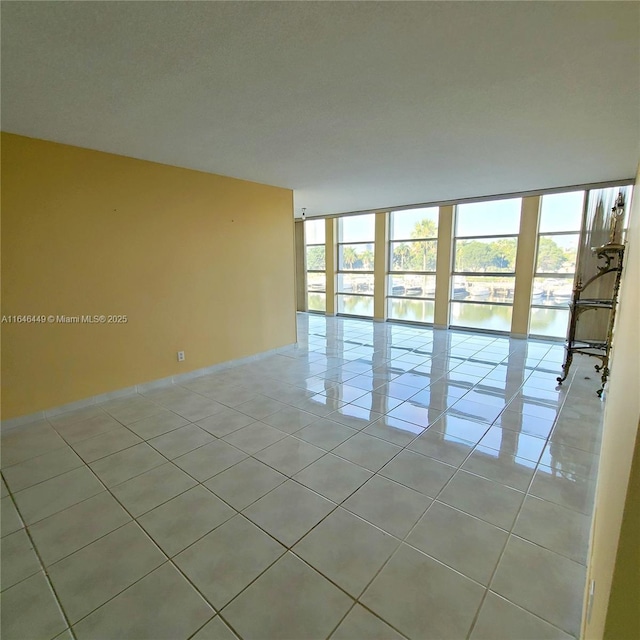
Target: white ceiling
354, 105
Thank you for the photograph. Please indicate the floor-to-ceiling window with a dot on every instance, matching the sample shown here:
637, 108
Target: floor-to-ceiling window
356, 255
314, 231
558, 240
413, 245
485, 246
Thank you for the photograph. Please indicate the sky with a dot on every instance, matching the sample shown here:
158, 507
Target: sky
560, 212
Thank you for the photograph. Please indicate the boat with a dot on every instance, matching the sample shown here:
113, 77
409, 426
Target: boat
563, 294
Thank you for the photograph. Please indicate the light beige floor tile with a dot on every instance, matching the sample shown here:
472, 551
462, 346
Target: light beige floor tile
224, 422
355, 417
290, 600
333, 477
132, 409
394, 430
347, 550
500, 619
367, 451
440, 446
104, 445
554, 527
44, 467
30, 610
157, 424
543, 582
197, 408
466, 544
501, 467
24, 443
255, 437
288, 512
49, 497
564, 488
447, 601
245, 482
260, 407
388, 505
361, 624
77, 415
181, 441
226, 560
207, 461
124, 465
89, 428
153, 488
88, 578
487, 500
183, 520
161, 606
325, 434
67, 531
290, 455
9, 519
215, 629
530, 425
19, 560
290, 419
418, 472
514, 443
559, 456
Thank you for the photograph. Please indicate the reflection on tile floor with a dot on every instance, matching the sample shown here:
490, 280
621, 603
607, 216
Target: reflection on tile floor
376, 481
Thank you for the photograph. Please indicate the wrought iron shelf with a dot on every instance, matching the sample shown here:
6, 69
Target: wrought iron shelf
611, 256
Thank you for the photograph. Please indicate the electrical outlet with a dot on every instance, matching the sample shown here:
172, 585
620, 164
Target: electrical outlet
180, 356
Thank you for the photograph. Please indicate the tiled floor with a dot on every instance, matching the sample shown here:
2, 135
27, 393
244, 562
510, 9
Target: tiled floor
378, 481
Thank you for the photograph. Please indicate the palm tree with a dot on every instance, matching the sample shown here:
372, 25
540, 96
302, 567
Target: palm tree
426, 251
349, 257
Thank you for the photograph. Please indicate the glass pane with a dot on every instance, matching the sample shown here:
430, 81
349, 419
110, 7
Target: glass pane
557, 254
316, 282
357, 228
414, 256
355, 283
414, 223
315, 258
488, 254
317, 301
355, 305
555, 292
355, 256
481, 316
561, 212
487, 218
314, 231
412, 286
549, 322
414, 310
483, 288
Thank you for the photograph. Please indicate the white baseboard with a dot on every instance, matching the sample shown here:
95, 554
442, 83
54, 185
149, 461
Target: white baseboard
13, 423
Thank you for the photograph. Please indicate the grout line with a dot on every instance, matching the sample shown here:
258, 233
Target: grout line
325, 453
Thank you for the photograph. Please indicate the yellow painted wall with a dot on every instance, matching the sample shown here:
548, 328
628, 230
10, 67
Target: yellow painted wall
620, 432
623, 614
197, 262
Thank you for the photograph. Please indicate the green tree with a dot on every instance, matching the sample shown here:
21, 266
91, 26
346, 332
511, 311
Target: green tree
550, 256
424, 253
315, 258
349, 257
472, 255
401, 256
367, 259
504, 258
